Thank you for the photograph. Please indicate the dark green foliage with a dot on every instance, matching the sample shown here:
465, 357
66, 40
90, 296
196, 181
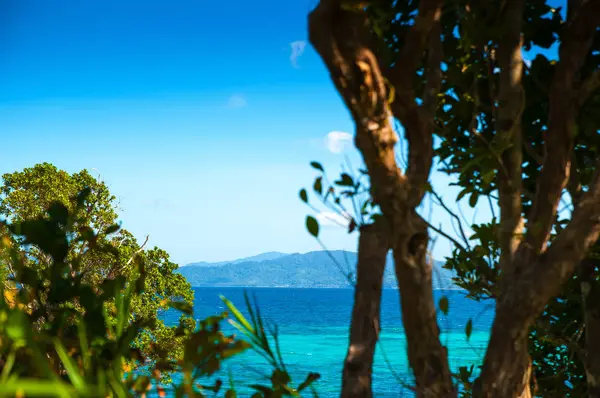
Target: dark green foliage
25, 197
64, 334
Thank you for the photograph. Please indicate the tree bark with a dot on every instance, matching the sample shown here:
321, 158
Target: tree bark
590, 291
537, 272
428, 358
511, 103
343, 40
504, 373
364, 328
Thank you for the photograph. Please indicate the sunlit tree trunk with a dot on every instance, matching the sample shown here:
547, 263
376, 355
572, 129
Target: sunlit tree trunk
373, 247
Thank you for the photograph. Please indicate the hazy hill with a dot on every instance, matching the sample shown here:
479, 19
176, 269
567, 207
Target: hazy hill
257, 258
313, 269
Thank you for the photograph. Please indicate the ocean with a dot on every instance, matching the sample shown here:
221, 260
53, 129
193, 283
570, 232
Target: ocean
313, 326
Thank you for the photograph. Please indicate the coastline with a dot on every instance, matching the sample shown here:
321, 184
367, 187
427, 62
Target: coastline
456, 289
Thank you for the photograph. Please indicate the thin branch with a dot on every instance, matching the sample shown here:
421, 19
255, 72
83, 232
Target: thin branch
490, 203
453, 215
434, 71
580, 234
138, 251
445, 235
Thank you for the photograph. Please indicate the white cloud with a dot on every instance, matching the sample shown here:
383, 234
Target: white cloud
236, 101
298, 47
328, 219
338, 141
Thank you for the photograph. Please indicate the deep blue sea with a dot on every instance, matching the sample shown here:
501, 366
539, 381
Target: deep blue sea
314, 324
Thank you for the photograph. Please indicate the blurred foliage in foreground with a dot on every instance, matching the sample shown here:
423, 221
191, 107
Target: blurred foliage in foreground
64, 332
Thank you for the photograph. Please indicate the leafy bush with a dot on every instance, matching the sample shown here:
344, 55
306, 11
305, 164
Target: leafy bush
65, 334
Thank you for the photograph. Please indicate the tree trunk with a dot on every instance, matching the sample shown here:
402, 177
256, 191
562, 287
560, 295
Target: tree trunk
509, 373
428, 358
343, 39
590, 291
364, 328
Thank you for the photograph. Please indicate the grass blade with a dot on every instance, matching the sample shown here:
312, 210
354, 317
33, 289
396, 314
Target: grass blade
238, 315
71, 368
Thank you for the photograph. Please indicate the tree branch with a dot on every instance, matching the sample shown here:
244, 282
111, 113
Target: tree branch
445, 235
138, 251
459, 222
434, 71
511, 100
528, 295
418, 121
340, 37
572, 244
558, 143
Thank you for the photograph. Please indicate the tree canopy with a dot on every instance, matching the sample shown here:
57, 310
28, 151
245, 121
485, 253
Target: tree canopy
27, 194
520, 135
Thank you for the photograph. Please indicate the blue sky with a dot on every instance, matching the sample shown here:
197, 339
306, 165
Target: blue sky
195, 113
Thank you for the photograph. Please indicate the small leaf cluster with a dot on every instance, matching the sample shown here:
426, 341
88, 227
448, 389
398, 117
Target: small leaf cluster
348, 196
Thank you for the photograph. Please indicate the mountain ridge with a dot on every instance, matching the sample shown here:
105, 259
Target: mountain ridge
317, 269
259, 257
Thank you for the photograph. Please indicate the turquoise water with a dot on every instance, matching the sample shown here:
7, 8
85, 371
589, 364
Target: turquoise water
313, 326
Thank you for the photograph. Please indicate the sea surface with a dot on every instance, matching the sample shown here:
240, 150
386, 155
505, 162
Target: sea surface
313, 327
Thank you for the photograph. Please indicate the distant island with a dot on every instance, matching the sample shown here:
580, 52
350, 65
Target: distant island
318, 269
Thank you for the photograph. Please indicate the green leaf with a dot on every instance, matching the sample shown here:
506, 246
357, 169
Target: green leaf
303, 195
58, 212
469, 328
316, 165
280, 378
352, 226
473, 199
83, 195
182, 306
345, 180
318, 186
70, 366
7, 367
235, 349
37, 388
230, 394
311, 378
443, 304
312, 225
238, 315
112, 229
18, 328
462, 193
